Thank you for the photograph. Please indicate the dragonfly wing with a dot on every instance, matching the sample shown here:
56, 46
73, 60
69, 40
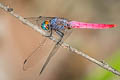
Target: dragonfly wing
52, 53
34, 20
67, 33
54, 50
34, 56
38, 20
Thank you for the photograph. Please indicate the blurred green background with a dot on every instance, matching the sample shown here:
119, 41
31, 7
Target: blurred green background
17, 41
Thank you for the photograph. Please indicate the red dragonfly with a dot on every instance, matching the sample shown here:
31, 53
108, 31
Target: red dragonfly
62, 27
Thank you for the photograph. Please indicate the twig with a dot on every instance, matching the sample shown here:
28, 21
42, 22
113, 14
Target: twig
64, 45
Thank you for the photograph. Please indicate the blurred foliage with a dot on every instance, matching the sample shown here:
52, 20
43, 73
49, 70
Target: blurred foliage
100, 74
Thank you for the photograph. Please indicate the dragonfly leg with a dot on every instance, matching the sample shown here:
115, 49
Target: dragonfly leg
50, 33
61, 34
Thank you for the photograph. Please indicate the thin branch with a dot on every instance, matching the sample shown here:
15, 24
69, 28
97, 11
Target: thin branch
64, 45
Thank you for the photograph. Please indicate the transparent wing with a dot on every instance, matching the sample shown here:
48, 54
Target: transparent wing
38, 20
54, 50
31, 60
34, 56
52, 53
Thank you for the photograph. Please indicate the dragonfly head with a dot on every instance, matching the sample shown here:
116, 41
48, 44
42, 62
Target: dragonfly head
45, 25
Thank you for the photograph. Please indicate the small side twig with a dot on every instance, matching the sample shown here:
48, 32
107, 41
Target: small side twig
64, 45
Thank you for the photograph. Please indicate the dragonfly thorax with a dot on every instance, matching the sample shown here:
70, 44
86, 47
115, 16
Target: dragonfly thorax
59, 24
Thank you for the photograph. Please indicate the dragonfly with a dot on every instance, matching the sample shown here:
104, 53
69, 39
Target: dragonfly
62, 28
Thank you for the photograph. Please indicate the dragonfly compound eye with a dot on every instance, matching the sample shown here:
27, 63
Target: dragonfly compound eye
45, 25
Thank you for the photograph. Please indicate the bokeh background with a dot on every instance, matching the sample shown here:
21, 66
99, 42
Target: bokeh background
18, 41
